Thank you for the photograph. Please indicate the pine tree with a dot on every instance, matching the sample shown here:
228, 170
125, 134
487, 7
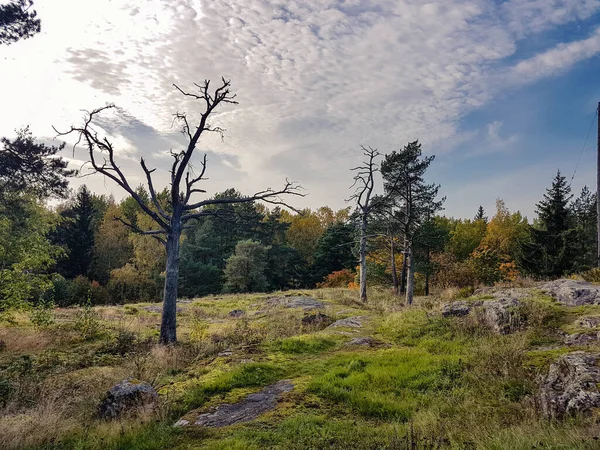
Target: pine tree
481, 214
403, 175
554, 240
584, 212
76, 233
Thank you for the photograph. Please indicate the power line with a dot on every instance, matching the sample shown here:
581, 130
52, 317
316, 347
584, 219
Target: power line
584, 144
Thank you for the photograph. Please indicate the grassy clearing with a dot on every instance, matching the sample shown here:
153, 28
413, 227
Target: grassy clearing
432, 383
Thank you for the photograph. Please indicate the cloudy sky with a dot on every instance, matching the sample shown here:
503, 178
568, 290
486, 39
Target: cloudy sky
502, 92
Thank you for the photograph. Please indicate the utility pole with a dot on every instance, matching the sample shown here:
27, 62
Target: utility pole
598, 187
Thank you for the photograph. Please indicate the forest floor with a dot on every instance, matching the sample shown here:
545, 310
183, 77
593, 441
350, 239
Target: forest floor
421, 381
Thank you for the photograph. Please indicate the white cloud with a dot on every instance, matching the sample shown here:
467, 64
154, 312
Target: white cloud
315, 78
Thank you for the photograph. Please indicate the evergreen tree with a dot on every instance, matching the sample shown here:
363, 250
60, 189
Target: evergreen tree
200, 261
28, 166
77, 232
481, 214
334, 251
585, 213
403, 175
17, 21
553, 246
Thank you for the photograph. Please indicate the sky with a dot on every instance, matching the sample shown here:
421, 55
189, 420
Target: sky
502, 92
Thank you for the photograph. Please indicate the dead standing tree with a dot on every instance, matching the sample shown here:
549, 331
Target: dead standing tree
364, 181
183, 186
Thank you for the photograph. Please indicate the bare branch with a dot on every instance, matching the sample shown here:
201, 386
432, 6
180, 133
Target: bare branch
153, 196
108, 168
156, 234
268, 196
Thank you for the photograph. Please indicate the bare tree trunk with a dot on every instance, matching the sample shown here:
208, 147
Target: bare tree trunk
363, 259
168, 326
410, 278
393, 266
403, 271
427, 272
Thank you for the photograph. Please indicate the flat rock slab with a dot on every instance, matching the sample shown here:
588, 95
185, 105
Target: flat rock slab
582, 338
362, 341
295, 302
573, 292
350, 322
243, 411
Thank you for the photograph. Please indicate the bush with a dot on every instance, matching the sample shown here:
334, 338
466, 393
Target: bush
128, 285
592, 275
87, 322
339, 278
42, 315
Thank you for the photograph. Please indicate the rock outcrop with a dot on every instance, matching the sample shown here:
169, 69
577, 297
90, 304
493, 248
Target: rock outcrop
129, 397
350, 322
582, 338
573, 292
362, 341
500, 315
298, 301
243, 411
316, 319
571, 386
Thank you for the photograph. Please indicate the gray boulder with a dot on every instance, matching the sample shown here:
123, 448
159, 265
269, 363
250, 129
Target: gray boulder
236, 313
129, 397
243, 411
571, 386
501, 315
573, 292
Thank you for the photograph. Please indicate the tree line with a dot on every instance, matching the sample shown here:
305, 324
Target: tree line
161, 244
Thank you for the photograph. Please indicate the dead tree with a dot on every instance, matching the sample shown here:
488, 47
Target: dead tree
364, 182
184, 184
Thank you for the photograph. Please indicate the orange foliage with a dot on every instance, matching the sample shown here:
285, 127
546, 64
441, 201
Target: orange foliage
339, 278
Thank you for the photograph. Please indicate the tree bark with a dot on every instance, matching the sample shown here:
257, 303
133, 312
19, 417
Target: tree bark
410, 278
393, 266
168, 326
404, 267
363, 259
427, 272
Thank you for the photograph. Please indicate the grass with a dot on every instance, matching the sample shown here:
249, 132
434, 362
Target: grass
430, 383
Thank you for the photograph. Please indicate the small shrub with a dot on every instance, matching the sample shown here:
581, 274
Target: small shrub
123, 344
87, 322
339, 278
42, 314
592, 275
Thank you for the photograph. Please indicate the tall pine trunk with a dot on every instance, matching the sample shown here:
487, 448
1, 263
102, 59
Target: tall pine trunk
168, 326
393, 266
427, 271
363, 259
410, 278
404, 267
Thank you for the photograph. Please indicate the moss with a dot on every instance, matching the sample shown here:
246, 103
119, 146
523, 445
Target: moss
303, 344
